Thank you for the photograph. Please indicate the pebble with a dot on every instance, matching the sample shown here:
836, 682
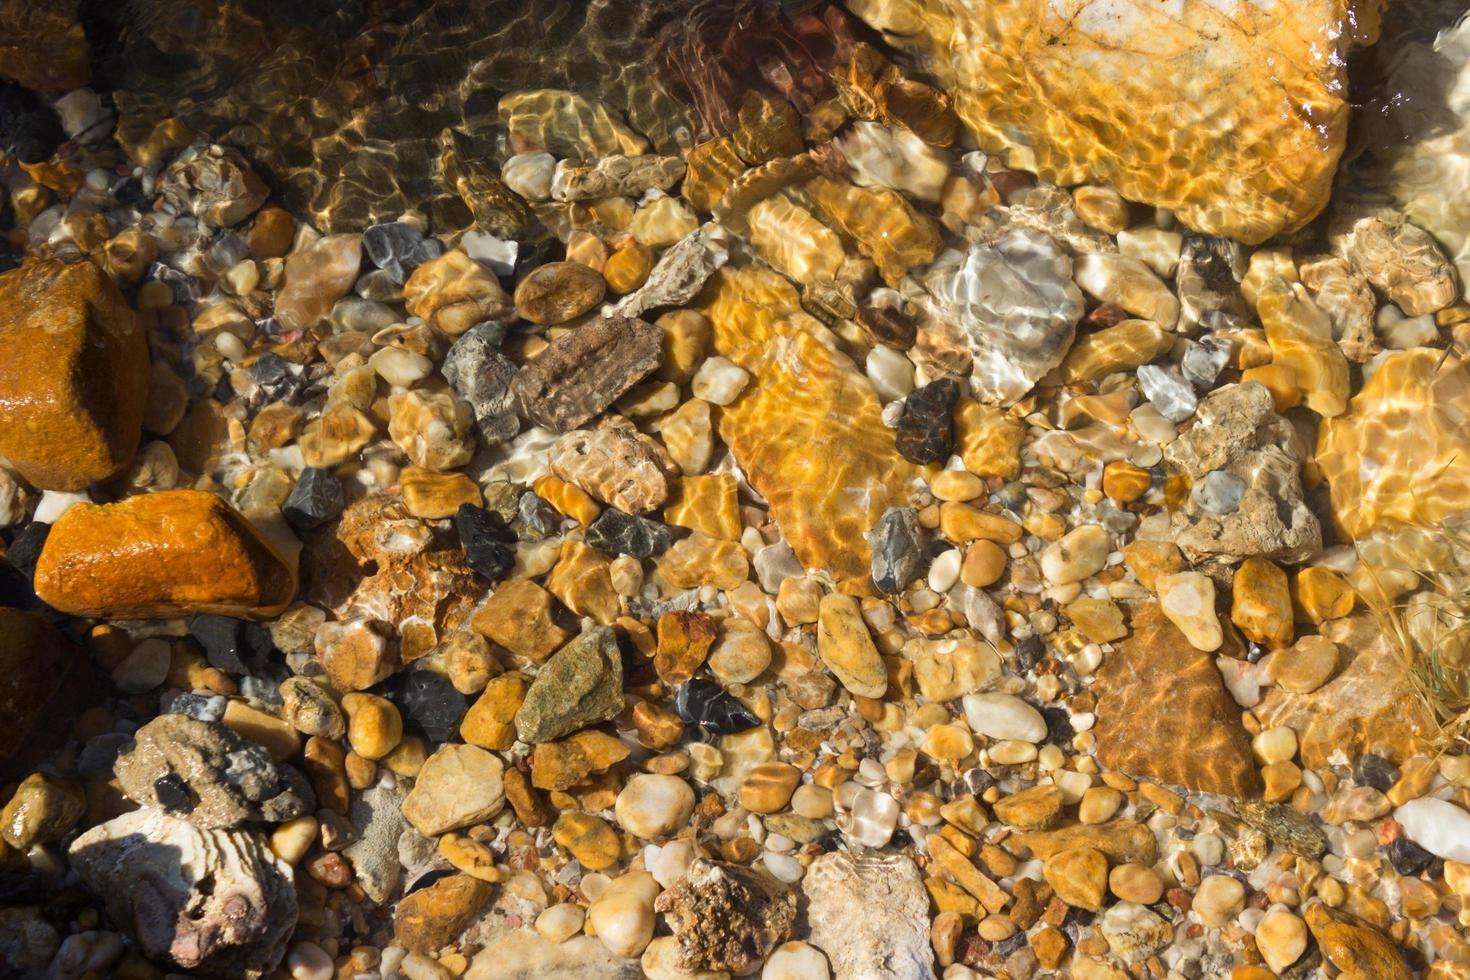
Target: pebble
589, 839
796, 960
742, 652
488, 541
458, 785
768, 787
1218, 899
846, 647
1004, 716
1078, 554
1079, 875
42, 810
652, 806
580, 685
1281, 938
454, 293
895, 544
925, 432
1136, 883
719, 381
145, 668
1220, 492
398, 248
308, 961
1168, 392
558, 292
374, 726
1438, 826
1306, 665
1099, 804
529, 174
561, 922
623, 914
1188, 599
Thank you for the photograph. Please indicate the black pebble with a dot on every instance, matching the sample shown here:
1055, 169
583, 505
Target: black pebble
233, 645
1407, 857
489, 542
430, 706
1058, 727
399, 248
173, 794
926, 427
316, 499
625, 534
29, 129
707, 704
1376, 771
25, 548
1029, 652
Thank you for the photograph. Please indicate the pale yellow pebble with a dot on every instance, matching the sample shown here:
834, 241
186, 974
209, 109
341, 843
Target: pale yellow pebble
374, 726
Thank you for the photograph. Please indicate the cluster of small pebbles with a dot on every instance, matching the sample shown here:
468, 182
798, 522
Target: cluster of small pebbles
832, 554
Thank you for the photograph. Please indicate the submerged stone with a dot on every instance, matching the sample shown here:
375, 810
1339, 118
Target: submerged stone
580, 685
583, 372
926, 428
896, 544
619, 533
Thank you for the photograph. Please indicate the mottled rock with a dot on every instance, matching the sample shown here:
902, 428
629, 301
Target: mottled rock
454, 293
926, 426
584, 371
1167, 391
1354, 947
521, 954
518, 616
160, 555
886, 227
482, 375
42, 810
457, 786
1163, 712
215, 903
891, 941
214, 184
377, 816
316, 277
615, 463
726, 916
432, 428
74, 382
1398, 257
398, 248
618, 533
558, 291
895, 542
615, 176
562, 764
432, 917
846, 647
580, 685
1300, 336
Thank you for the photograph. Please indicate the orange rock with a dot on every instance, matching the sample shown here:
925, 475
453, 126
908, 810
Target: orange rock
684, 641
988, 440
886, 227
518, 617
706, 503
74, 378
1261, 603
702, 560
1320, 594
807, 430
161, 555
583, 581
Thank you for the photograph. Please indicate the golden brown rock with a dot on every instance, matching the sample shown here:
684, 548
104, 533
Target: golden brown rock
615, 463
562, 764
558, 291
988, 440
1089, 90
684, 641
1260, 603
161, 555
454, 292
702, 560
886, 227
434, 496
1122, 347
1163, 712
713, 166
432, 917
709, 504
1121, 841
518, 616
582, 580
1401, 454
1355, 948
807, 430
589, 839
1300, 335
74, 378
490, 722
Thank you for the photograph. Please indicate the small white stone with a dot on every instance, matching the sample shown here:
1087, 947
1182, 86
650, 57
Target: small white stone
1281, 937
498, 254
144, 668
529, 175
796, 960
1154, 247
622, 915
944, 571
560, 922
672, 862
871, 819
1011, 752
719, 380
1004, 716
1438, 826
652, 805
785, 867
400, 367
1081, 552
891, 373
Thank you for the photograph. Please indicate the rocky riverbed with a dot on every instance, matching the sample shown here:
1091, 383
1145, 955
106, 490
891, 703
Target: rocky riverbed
901, 532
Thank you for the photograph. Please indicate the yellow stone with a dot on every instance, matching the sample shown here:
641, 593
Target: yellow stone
434, 496
1261, 603
589, 838
490, 722
984, 564
787, 237
703, 560
768, 787
562, 764
628, 268
686, 340
582, 580
987, 440
1300, 335
518, 617
709, 504
961, 522
1151, 560
1280, 380
1320, 594
568, 498
1037, 808
1079, 876
713, 166
469, 856
885, 226
969, 877
374, 726
1124, 482
1122, 347
1100, 620
846, 646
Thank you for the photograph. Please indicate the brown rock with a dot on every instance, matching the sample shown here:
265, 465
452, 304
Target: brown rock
1355, 948
558, 291
74, 379
1163, 712
38, 676
615, 463
433, 917
44, 47
527, 802
518, 616
727, 917
454, 292
1079, 876
684, 641
161, 555
1120, 841
316, 277
702, 560
42, 810
357, 653
582, 580
585, 370
713, 167
434, 496
1261, 603
1123, 347
1036, 808
589, 838
563, 764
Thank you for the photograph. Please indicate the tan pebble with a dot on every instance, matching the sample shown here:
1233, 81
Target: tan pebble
1274, 745
1188, 599
768, 787
589, 839
686, 339
811, 801
490, 721
658, 727
622, 916
798, 601
956, 485
846, 647
1281, 937
374, 726
944, 934
291, 840
984, 564
469, 856
1079, 875
1151, 560
1306, 665
279, 738
1099, 804
470, 663
1136, 883
1101, 207
1321, 594
561, 922
434, 496
653, 806
1124, 482
1281, 779
948, 743
1219, 899
628, 268
960, 522
361, 773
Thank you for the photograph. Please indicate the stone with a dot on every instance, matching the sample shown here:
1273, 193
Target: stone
1086, 55
490, 721
1177, 725
582, 580
430, 705
1281, 937
1004, 716
891, 941
1014, 301
680, 273
949, 668
355, 654
42, 810
1399, 258
1438, 826
565, 386
1136, 883
519, 954
896, 547
796, 960
704, 560
618, 533
1399, 428
565, 763
653, 806
1079, 876
1134, 932
161, 555
316, 498
431, 918
589, 839
435, 496
925, 432
684, 642
1188, 599
726, 917
1167, 391
1037, 808
558, 292
615, 176
705, 703
454, 293
768, 787
662, 221
74, 386
209, 902
398, 248
1100, 620
1300, 335
434, 429
337, 435
458, 785
628, 268
489, 543
580, 685
826, 483
1356, 949
481, 375
214, 184
1128, 283
847, 649
615, 463
307, 707
1260, 603
1078, 554
709, 504
316, 277
1123, 347
204, 773
518, 616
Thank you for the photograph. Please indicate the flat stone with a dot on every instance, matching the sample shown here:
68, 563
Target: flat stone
562, 764
580, 685
1122, 841
1354, 947
892, 940
316, 277
615, 463
518, 616
726, 916
1163, 712
1399, 258
432, 917
617, 175
625, 534
457, 786
846, 647
454, 293
398, 248
558, 291
161, 555
75, 381
482, 375
895, 542
585, 370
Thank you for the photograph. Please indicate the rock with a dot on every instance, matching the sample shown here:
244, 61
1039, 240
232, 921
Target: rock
1281, 938
680, 273
705, 703
949, 668
1399, 258
684, 642
355, 654
317, 276
615, 176
1004, 716
926, 428
1438, 826
1014, 300
1368, 706
489, 543
430, 706
490, 722
30, 943
566, 385
708, 504
768, 787
316, 499
558, 292
582, 580
377, 816
214, 184
1167, 391
580, 685
588, 838
432, 428
1079, 876
431, 918
161, 555
1174, 723
1401, 425
481, 375
1300, 335
523, 955
1237, 431
796, 960
518, 616
846, 647
726, 916
615, 463
700, 560
895, 542
1121, 841
398, 248
74, 385
1123, 347
42, 810
1218, 899
1080, 553
562, 764
892, 941
1128, 283
215, 903
1036, 808
435, 496
1358, 950
826, 484
454, 293
624, 534
1261, 604
1224, 68
1188, 599
458, 785
623, 914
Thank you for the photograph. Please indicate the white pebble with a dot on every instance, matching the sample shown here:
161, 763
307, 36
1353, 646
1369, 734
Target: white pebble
1004, 716
1438, 826
719, 381
672, 862
891, 373
400, 367
796, 960
785, 867
944, 571
308, 961
529, 174
54, 503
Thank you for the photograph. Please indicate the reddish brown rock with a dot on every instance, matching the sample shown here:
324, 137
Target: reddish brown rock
584, 371
161, 555
74, 378
1163, 712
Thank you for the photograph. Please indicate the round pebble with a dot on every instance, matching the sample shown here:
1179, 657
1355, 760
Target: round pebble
653, 806
1003, 716
796, 960
1219, 899
560, 922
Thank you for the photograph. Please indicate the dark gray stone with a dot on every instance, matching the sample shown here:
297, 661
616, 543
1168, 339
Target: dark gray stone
482, 376
897, 549
316, 499
398, 248
926, 427
619, 533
